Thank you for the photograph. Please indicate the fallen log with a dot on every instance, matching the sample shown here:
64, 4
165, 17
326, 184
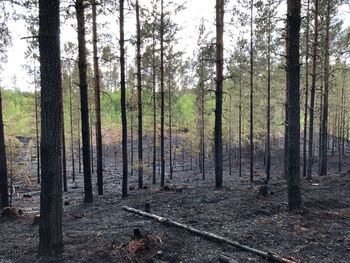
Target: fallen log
168, 222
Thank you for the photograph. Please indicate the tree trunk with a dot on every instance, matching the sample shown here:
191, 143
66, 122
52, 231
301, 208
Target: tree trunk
218, 97
306, 87
122, 101
240, 128
312, 94
99, 149
79, 6
50, 226
64, 159
37, 133
170, 131
293, 69
139, 95
324, 123
4, 195
154, 111
162, 157
71, 126
251, 95
268, 135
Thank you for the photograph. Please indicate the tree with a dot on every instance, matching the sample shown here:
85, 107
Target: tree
4, 196
99, 150
84, 104
293, 83
162, 154
139, 94
251, 135
50, 227
218, 94
122, 101
312, 93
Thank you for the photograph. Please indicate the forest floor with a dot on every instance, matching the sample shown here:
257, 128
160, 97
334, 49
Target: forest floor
103, 232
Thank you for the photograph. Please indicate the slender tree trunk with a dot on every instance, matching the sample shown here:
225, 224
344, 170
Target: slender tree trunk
71, 126
324, 123
4, 195
268, 136
99, 149
229, 139
122, 101
293, 84
139, 95
202, 124
154, 112
37, 132
170, 131
218, 97
132, 133
84, 101
240, 127
306, 88
50, 226
162, 159
91, 143
79, 147
64, 159
312, 94
251, 95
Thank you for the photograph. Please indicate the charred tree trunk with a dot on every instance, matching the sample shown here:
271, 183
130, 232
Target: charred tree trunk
240, 128
99, 149
122, 101
162, 157
218, 94
324, 123
71, 127
37, 132
312, 95
268, 135
4, 195
293, 84
306, 87
84, 101
139, 95
251, 95
170, 131
50, 226
64, 159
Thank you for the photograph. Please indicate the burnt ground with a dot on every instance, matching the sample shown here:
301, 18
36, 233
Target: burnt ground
103, 232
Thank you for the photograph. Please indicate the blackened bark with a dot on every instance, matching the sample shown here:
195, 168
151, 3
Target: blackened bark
306, 88
170, 130
139, 95
4, 195
218, 94
324, 122
84, 103
251, 138
122, 101
50, 227
71, 127
99, 150
312, 95
36, 97
293, 69
268, 136
64, 159
162, 157
154, 178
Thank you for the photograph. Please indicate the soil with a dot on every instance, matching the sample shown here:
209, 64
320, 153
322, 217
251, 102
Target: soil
103, 232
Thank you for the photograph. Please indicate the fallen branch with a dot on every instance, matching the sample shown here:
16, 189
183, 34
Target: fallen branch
208, 235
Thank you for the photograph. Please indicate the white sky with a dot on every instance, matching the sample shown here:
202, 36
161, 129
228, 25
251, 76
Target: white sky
188, 19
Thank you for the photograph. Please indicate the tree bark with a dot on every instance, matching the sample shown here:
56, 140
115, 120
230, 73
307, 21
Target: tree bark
99, 149
218, 94
306, 87
251, 138
139, 95
324, 123
4, 195
122, 101
293, 84
84, 103
71, 126
50, 226
312, 95
162, 157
